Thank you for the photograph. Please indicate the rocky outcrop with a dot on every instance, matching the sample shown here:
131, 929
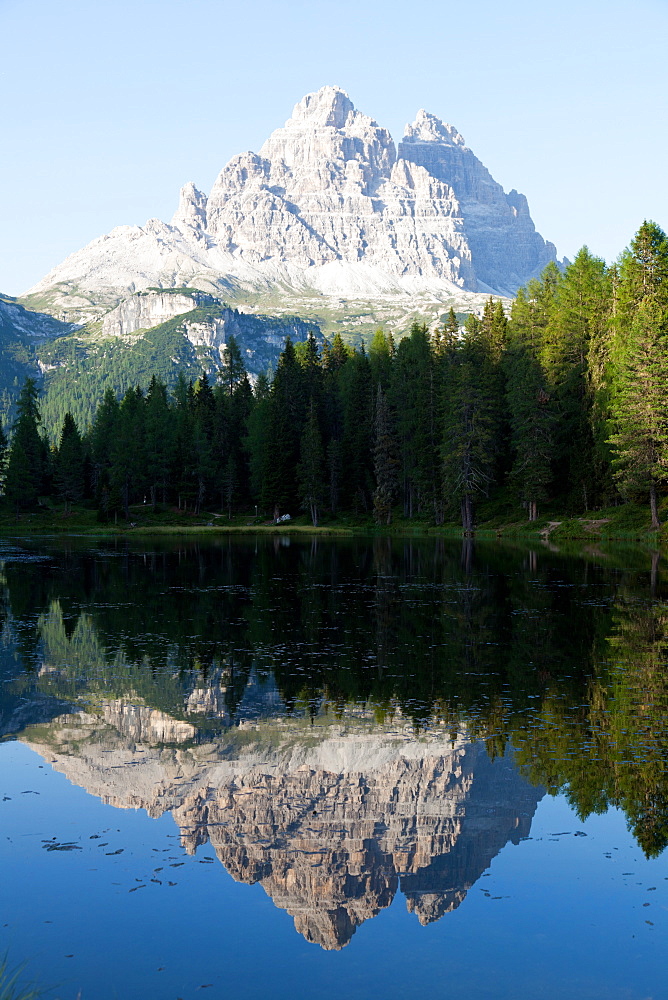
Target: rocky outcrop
144, 310
207, 324
331, 829
502, 238
327, 205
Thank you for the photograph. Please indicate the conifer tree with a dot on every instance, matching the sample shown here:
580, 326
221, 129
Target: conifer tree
573, 338
385, 461
25, 468
233, 369
415, 401
356, 444
311, 467
258, 441
471, 411
158, 424
640, 408
286, 415
4, 456
639, 368
128, 461
101, 438
381, 355
69, 464
532, 422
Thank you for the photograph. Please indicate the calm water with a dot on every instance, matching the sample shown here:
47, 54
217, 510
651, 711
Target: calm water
298, 768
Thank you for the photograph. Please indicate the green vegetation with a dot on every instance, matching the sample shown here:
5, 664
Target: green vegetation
11, 987
549, 414
562, 660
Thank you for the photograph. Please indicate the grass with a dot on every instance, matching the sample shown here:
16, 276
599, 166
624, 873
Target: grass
10, 985
624, 523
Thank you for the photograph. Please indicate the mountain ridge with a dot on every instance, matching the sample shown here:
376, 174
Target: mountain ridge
328, 210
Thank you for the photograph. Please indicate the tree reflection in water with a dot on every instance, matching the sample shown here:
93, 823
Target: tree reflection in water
334, 695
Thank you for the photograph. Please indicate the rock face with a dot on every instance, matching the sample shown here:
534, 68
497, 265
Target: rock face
331, 829
143, 311
208, 324
326, 205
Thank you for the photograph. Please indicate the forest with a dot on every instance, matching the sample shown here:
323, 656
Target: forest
562, 402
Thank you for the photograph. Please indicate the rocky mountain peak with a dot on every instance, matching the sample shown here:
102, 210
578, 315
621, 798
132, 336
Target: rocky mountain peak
328, 207
429, 128
327, 106
191, 212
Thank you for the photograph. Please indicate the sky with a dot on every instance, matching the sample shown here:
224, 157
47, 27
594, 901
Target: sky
108, 108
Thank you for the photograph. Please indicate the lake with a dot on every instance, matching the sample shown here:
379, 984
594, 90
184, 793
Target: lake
299, 767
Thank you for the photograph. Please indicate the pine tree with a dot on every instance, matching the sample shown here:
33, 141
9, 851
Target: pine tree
4, 456
100, 442
573, 339
415, 400
356, 443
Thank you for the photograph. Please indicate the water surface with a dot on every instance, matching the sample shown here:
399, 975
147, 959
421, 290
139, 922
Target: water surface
322, 768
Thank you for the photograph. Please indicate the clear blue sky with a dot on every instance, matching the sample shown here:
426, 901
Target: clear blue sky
107, 108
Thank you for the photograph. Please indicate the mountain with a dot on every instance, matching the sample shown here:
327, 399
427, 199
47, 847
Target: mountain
328, 219
23, 334
161, 333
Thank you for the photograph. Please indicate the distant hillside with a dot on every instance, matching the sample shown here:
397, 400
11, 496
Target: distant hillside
150, 333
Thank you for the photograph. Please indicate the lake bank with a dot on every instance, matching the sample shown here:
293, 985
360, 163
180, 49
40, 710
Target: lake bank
624, 523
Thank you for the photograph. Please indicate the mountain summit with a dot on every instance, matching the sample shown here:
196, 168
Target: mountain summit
328, 207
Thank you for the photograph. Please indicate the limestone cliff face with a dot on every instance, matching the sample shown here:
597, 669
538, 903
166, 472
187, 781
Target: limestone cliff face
331, 829
501, 235
328, 206
142, 311
260, 338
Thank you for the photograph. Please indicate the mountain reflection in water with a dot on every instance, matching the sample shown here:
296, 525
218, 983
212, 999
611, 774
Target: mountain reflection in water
330, 828
343, 720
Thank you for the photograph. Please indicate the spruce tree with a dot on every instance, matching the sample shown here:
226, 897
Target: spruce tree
385, 460
286, 416
311, 467
532, 424
69, 464
471, 420
26, 465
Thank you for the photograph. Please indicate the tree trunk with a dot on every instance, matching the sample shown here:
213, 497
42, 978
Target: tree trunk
467, 514
656, 524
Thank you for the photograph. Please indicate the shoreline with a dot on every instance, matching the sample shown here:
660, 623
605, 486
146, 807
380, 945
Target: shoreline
544, 532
